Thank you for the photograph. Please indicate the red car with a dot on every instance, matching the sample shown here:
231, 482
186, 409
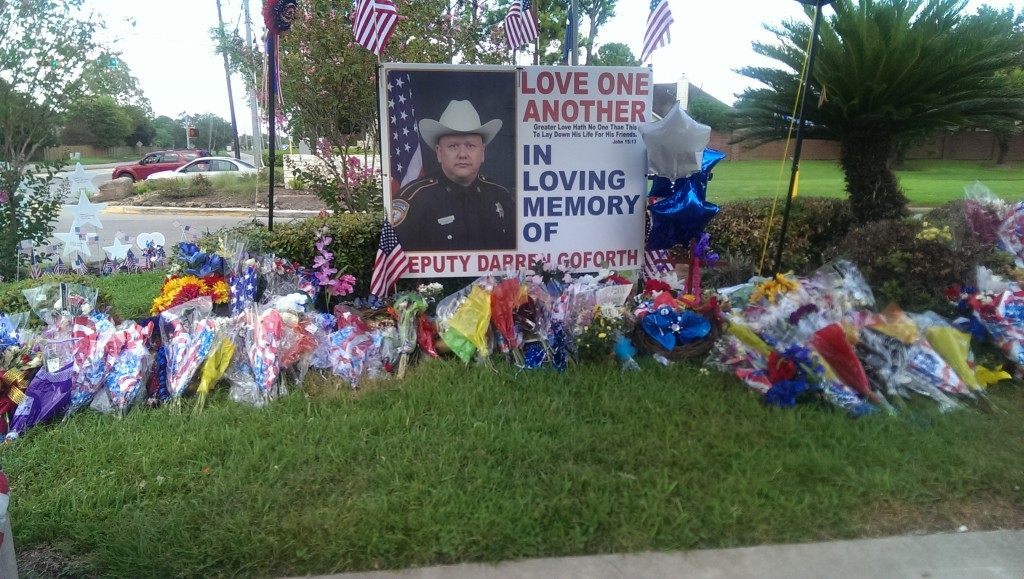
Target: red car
154, 163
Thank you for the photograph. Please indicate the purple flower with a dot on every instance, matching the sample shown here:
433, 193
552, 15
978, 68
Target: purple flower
4, 197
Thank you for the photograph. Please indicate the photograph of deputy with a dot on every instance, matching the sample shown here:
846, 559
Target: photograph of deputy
456, 207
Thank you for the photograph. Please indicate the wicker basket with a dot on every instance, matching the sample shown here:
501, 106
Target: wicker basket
694, 349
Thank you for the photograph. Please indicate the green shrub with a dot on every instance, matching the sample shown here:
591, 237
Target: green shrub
355, 237
12, 300
914, 272
278, 159
200, 186
354, 242
816, 225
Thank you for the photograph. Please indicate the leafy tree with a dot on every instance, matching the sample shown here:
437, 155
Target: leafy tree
41, 47
143, 130
214, 132
614, 54
108, 75
886, 69
712, 112
598, 13
168, 133
330, 81
98, 121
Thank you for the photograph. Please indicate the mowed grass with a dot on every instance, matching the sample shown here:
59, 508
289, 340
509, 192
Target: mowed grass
132, 293
455, 464
926, 183
459, 463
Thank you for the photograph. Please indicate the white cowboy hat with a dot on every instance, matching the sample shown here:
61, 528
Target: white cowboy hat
460, 118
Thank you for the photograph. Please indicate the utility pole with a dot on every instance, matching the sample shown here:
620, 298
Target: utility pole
254, 107
574, 42
227, 74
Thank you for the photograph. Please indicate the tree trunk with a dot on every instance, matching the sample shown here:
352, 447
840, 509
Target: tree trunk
1002, 149
875, 193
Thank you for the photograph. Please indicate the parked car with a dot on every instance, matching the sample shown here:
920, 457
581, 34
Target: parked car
155, 163
207, 167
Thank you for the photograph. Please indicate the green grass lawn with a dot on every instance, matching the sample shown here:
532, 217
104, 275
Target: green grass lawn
455, 464
926, 183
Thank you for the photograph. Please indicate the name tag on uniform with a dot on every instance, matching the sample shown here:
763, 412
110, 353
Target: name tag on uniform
446, 220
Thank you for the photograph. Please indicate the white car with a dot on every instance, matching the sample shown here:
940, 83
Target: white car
208, 167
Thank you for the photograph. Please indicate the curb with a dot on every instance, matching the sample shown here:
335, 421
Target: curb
211, 211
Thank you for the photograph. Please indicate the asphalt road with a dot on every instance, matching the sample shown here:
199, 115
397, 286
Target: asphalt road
171, 226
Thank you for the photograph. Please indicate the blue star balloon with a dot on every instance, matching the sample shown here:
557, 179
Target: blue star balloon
683, 211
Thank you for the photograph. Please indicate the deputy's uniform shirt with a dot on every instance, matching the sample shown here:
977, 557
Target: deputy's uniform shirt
437, 214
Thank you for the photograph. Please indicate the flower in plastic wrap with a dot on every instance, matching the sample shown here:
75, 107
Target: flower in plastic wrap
90, 362
129, 366
46, 397
467, 331
188, 337
831, 343
215, 367
506, 297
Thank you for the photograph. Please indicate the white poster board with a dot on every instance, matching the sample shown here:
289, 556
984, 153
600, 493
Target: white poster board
490, 169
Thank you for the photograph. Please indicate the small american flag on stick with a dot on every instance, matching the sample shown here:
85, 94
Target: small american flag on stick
390, 263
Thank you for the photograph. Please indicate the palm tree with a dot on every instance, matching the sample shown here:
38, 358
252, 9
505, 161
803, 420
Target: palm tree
887, 70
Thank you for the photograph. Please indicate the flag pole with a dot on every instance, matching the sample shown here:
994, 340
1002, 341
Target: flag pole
574, 42
798, 147
271, 120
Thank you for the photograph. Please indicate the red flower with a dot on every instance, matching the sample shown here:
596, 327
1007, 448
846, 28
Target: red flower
780, 369
656, 285
953, 293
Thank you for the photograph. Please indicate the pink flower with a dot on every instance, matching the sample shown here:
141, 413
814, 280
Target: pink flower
4, 197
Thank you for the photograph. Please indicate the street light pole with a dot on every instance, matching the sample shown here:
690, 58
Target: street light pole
798, 147
227, 74
257, 126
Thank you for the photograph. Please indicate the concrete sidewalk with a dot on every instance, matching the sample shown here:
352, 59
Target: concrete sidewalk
964, 555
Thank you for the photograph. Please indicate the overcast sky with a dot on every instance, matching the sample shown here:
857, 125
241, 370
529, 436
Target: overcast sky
169, 48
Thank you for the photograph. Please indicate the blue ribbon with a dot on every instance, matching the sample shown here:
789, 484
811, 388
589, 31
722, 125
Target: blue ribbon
670, 328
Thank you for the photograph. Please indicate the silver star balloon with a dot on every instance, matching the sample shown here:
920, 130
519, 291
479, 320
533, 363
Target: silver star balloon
675, 144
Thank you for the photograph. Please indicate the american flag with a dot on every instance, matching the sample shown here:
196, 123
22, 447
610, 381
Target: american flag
569, 42
35, 271
130, 263
243, 290
520, 24
60, 268
657, 34
80, 266
390, 263
374, 23
656, 262
406, 157
106, 267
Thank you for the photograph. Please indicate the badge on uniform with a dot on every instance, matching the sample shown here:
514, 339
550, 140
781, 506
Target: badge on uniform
499, 209
446, 220
399, 209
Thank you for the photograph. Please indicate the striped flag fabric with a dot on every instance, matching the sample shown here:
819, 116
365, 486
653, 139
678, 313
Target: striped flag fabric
657, 34
374, 23
60, 268
406, 156
389, 264
520, 24
130, 263
656, 262
80, 266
